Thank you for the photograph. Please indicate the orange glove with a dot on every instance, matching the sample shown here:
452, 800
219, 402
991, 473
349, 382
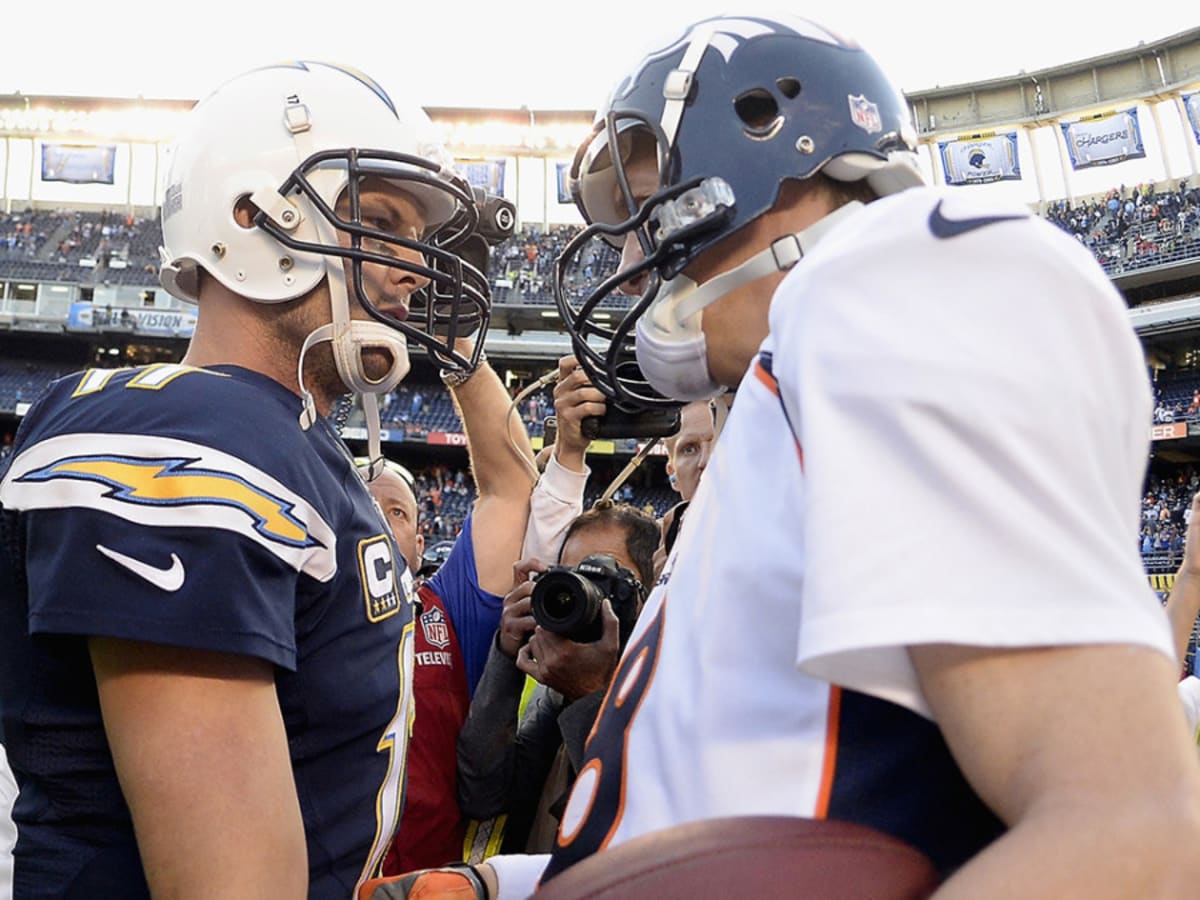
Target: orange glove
457, 881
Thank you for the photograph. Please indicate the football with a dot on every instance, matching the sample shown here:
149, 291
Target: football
752, 857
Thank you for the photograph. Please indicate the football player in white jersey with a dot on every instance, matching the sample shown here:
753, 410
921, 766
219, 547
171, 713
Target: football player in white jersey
907, 592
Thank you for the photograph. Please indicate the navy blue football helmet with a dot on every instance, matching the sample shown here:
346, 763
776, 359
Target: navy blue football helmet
732, 109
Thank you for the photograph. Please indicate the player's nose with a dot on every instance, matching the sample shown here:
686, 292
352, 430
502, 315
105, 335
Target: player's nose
631, 255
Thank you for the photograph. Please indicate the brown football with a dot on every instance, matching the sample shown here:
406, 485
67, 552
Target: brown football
752, 857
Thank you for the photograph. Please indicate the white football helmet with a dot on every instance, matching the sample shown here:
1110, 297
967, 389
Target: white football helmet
291, 138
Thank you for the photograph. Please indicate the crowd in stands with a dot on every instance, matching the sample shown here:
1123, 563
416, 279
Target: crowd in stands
1135, 228
445, 496
1166, 510
22, 382
416, 409
84, 247
1128, 228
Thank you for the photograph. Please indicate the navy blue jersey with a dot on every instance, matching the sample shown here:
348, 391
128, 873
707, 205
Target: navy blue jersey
187, 507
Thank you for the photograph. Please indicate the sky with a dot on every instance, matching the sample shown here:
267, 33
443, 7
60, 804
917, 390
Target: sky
512, 53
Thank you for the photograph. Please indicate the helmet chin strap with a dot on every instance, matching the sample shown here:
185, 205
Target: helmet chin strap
349, 338
671, 347
783, 253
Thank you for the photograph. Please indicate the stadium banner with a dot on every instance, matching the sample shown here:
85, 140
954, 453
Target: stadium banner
485, 173
169, 323
562, 172
1102, 140
79, 163
355, 433
1191, 102
981, 158
446, 438
1168, 431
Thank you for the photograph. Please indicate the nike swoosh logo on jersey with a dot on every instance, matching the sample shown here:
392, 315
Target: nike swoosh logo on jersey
948, 228
169, 579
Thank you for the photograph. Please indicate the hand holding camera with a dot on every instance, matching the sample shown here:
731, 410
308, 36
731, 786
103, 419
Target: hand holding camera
516, 616
572, 668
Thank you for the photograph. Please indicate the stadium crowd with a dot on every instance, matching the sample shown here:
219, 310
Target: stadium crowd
1126, 229
1135, 227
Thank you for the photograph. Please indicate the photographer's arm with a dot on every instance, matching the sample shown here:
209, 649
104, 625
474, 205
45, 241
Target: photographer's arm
486, 750
557, 498
487, 742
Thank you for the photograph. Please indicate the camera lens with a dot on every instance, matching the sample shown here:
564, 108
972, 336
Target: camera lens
568, 604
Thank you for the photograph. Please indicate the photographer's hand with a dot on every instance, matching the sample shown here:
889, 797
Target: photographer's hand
575, 399
574, 670
516, 617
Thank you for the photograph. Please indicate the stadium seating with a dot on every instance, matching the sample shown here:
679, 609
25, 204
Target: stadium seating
1127, 228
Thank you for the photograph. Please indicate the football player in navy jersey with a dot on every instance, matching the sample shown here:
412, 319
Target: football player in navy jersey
927, 494
205, 624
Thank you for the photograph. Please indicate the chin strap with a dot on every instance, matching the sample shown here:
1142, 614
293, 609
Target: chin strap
348, 339
375, 462
783, 253
370, 397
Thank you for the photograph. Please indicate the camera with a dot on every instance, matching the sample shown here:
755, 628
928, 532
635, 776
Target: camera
617, 423
568, 600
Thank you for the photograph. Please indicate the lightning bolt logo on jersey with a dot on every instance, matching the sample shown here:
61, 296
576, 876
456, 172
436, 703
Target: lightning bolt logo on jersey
141, 506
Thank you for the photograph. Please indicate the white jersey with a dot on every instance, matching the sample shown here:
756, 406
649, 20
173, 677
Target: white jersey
943, 439
8, 830
1189, 695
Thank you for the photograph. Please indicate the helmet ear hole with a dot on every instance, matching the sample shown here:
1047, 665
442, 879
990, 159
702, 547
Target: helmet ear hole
758, 111
244, 211
789, 87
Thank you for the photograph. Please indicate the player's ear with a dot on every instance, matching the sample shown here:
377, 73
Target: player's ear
420, 545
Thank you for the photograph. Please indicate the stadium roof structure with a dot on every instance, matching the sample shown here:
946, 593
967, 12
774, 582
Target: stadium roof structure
1156, 70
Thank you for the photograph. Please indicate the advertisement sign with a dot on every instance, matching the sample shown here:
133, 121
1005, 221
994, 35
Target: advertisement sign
161, 322
1168, 431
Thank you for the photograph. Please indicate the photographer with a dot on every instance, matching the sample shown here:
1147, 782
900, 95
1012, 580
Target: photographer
522, 766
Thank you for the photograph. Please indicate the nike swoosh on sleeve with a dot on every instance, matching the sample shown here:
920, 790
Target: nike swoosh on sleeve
168, 579
945, 229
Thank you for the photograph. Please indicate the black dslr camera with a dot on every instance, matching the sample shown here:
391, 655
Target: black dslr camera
568, 600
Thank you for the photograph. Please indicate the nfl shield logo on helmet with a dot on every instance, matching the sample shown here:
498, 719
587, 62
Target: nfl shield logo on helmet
865, 114
433, 623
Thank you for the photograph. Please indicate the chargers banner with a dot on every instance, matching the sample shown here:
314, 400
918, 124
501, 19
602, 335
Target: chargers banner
981, 158
562, 173
1104, 140
487, 174
1191, 102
